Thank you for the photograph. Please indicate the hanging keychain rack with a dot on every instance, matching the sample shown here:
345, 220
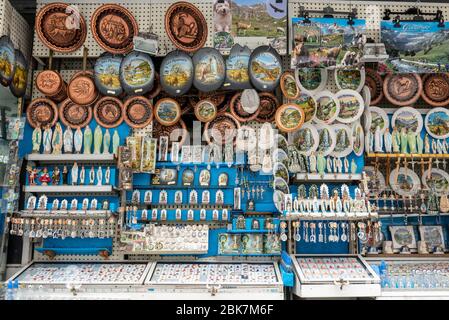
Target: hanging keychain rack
328, 12
418, 16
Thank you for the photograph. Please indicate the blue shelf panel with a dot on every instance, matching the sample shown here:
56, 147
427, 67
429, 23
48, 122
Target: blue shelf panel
80, 251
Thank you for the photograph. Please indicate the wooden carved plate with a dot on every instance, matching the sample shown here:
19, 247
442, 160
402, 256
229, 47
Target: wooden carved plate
402, 89
239, 112
375, 84
268, 106
223, 127
57, 27
186, 26
160, 130
42, 112
81, 89
49, 83
73, 115
436, 89
167, 111
108, 112
138, 112
114, 28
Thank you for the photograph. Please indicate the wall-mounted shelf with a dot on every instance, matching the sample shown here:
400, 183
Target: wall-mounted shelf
71, 158
65, 213
310, 218
406, 155
69, 189
329, 177
165, 252
410, 215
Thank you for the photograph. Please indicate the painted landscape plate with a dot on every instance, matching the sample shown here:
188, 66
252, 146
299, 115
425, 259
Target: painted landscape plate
343, 140
289, 88
358, 139
436, 180
107, 74
167, 111
205, 111
280, 171
210, 69
281, 185
7, 60
308, 104
265, 68
18, 84
402, 89
237, 63
437, 123
311, 80
327, 109
279, 155
306, 139
376, 117
436, 89
408, 118
352, 79
289, 117
351, 106
375, 84
137, 73
405, 182
176, 73
327, 140
376, 184
73, 115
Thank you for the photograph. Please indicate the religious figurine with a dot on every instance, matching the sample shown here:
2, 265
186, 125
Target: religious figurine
56, 142
329, 164
37, 139
321, 163
92, 175
353, 166
65, 175
115, 141
87, 140
411, 139
396, 140
56, 176
371, 141
68, 140
74, 174
404, 140
106, 142
44, 177
312, 162
434, 146
419, 144
48, 133
388, 141
346, 165
78, 140
439, 147
32, 175
107, 176
378, 143
99, 176
82, 175
426, 144
98, 139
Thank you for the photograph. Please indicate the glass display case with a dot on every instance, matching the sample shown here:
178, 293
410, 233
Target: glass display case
334, 276
412, 278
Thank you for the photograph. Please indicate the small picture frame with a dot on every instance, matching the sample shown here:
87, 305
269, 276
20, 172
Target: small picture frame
186, 154
223, 179
190, 215
188, 177
197, 151
163, 197
178, 214
403, 237
204, 178
64, 204
74, 204
31, 203
193, 197
178, 197
219, 197
288, 202
203, 214
148, 197
215, 215
175, 152
205, 197
433, 236
55, 204
237, 198
224, 214
148, 157
163, 214
154, 214
163, 148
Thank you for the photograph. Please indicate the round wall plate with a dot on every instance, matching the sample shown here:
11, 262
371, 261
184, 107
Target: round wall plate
186, 26
177, 132
437, 123
436, 180
223, 129
138, 112
57, 29
278, 200
328, 107
176, 73
308, 104
268, 106
265, 68
343, 140
49, 83
18, 84
377, 117
327, 140
358, 139
73, 115
114, 28
408, 118
81, 89
7, 60
205, 111
402, 89
281, 185
237, 63
280, 171
41, 113
137, 73
107, 74
238, 111
210, 69
350, 79
311, 80
250, 101
167, 111
289, 88
405, 182
377, 184
306, 139
351, 106
436, 89
157, 87
375, 84
108, 112
289, 117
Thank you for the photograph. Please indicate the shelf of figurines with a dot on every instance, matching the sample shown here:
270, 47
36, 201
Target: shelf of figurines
292, 216
70, 189
65, 213
385, 215
328, 177
406, 255
407, 156
71, 158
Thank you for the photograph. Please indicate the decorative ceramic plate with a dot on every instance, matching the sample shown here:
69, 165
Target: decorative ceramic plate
375, 84
186, 26
137, 73
281, 185
282, 142
437, 123
289, 88
308, 105
210, 69
237, 76
327, 139
238, 111
402, 89
366, 94
81, 89
408, 118
138, 112
436, 180
222, 129
73, 115
311, 80
436, 89
278, 200
279, 155
41, 113
49, 83
376, 117
343, 140
107, 74
306, 139
18, 84
8, 60
205, 111
289, 117
57, 28
114, 28
327, 107
265, 68
216, 97
351, 106
167, 111
280, 171
157, 87
358, 139
376, 184
405, 182
250, 101
108, 112
268, 106
177, 132
352, 79
176, 73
